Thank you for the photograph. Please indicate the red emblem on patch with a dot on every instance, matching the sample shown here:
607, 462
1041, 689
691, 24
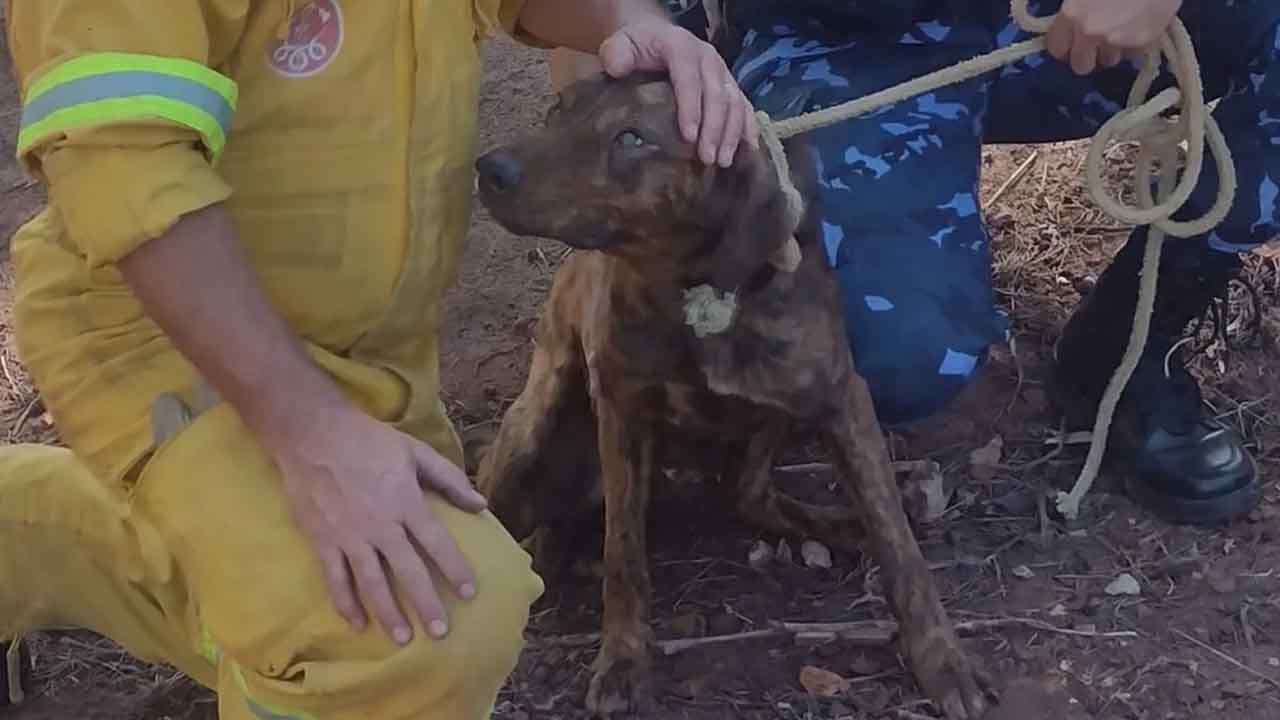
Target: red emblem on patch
315, 37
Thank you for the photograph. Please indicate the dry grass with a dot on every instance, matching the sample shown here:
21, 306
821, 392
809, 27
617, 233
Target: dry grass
1051, 242
22, 417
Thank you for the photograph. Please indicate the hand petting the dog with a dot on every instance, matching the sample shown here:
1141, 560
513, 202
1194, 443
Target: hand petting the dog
638, 35
1089, 33
712, 109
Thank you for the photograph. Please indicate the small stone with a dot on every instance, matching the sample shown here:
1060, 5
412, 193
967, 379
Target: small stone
1058, 610
1125, 584
822, 683
984, 462
1273, 662
815, 554
1023, 572
925, 495
760, 554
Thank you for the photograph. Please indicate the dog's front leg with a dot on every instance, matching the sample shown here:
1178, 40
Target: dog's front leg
621, 682
928, 638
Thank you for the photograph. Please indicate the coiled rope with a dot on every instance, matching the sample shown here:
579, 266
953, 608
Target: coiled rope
1141, 122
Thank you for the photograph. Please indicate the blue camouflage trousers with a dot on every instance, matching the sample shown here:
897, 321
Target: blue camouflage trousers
899, 188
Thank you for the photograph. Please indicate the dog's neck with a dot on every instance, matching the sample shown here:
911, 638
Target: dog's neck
662, 284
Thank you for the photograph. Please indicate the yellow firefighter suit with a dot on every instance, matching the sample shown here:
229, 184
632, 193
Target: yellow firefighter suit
341, 135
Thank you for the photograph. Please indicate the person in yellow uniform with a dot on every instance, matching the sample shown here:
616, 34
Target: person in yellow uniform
230, 308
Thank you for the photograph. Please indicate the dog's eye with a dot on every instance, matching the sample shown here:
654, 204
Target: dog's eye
630, 138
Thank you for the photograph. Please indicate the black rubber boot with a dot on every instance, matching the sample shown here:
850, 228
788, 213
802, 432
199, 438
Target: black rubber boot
15, 673
1186, 468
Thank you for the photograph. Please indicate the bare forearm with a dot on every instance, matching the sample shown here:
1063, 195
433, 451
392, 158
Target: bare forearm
197, 285
584, 24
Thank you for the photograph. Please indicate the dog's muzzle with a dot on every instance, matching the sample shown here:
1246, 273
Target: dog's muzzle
498, 171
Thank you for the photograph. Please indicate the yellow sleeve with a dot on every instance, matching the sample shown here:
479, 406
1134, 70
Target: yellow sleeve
124, 114
493, 16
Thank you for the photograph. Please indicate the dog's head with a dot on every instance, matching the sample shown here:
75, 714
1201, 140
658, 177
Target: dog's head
610, 171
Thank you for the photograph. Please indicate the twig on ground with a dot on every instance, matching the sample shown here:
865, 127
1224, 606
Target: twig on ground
864, 633
496, 354
803, 468
1042, 484
675, 647
18, 424
983, 561
1017, 390
1228, 659
567, 641
1014, 179
976, 626
1246, 627
4, 363
1142, 671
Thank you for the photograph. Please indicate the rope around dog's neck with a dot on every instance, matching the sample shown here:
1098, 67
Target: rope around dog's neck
1141, 122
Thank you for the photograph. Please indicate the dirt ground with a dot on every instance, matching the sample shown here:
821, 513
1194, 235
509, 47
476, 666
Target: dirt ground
1200, 638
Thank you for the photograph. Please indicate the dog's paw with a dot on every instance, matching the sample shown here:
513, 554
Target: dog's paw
953, 681
621, 685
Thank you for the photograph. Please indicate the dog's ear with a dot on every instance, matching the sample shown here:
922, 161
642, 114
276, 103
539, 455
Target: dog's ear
747, 203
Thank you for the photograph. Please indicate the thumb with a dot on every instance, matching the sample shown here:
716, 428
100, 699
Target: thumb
619, 54
438, 473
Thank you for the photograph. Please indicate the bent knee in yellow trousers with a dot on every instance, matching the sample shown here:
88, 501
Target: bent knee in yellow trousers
201, 566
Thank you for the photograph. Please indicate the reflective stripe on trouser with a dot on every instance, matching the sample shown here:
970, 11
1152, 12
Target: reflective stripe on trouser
201, 567
899, 188
105, 88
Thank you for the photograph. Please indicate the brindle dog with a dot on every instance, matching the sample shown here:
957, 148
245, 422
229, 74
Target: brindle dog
619, 379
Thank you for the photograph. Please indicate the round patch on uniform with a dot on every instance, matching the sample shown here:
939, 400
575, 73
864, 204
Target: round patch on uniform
315, 37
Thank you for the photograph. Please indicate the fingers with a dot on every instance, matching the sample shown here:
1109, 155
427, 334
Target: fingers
1090, 34
1110, 55
735, 125
437, 543
618, 55
371, 578
686, 81
1084, 53
1068, 42
717, 94
710, 108
412, 575
1060, 37
337, 577
437, 473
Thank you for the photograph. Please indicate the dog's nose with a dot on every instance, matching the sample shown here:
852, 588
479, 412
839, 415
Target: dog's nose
499, 171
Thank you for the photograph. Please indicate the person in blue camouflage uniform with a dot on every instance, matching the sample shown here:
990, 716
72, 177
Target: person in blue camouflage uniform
903, 228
